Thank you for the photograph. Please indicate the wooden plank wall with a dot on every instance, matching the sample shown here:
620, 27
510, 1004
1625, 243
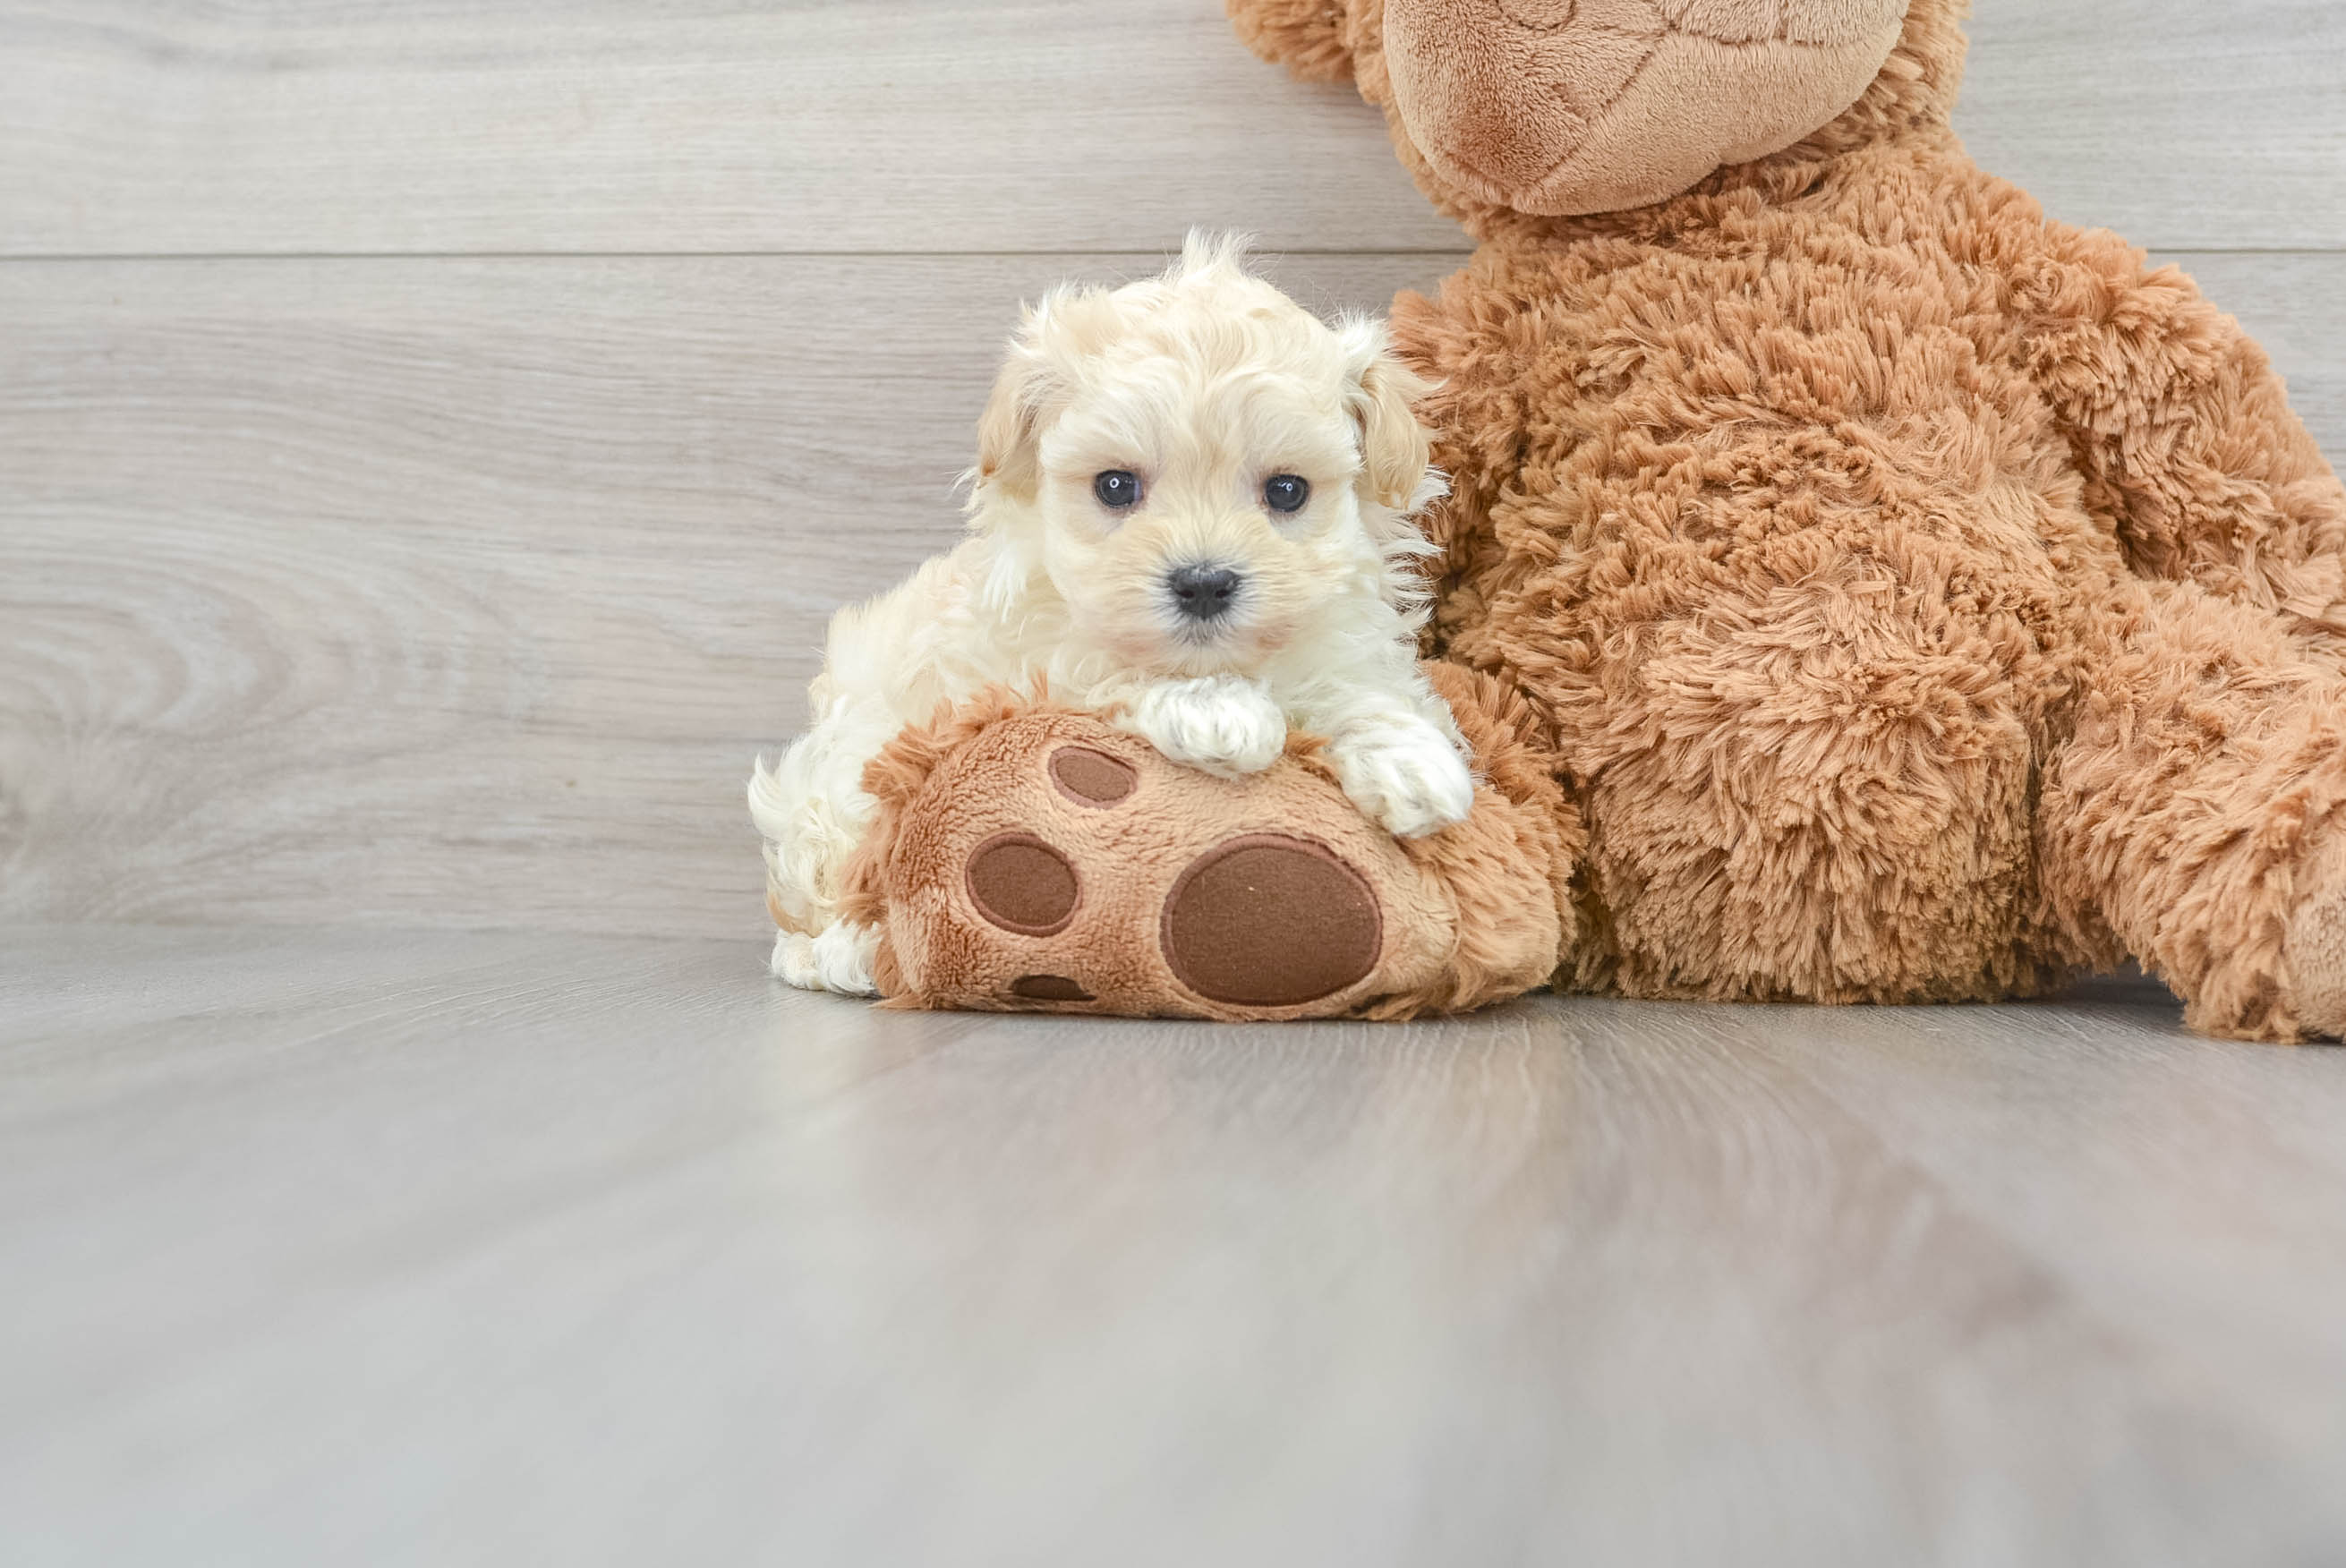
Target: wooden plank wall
432, 435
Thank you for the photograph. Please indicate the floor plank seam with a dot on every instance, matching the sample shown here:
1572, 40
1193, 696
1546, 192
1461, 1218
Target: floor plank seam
1464, 245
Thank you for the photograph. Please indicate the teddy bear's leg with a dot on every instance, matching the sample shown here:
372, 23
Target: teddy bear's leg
2199, 815
1812, 788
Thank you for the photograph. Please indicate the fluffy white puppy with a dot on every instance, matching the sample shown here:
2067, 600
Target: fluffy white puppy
1190, 514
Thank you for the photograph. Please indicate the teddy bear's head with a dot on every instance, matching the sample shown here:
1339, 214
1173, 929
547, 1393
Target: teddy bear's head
1568, 107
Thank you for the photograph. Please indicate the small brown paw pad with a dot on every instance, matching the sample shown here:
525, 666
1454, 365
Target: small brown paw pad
1267, 921
1090, 777
1022, 885
1048, 988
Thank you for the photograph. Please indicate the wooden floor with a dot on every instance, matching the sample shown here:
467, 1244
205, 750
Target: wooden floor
432, 433
446, 1248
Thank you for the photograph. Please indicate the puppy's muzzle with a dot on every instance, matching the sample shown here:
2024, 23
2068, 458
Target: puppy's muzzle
1203, 593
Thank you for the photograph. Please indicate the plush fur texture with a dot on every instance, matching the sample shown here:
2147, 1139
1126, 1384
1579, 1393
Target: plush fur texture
1200, 389
1589, 106
1919, 599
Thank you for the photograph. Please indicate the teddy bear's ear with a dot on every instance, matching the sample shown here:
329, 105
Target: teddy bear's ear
1312, 38
1382, 397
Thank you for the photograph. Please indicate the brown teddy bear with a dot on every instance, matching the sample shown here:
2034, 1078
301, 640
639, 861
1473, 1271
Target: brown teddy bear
1883, 593
1922, 599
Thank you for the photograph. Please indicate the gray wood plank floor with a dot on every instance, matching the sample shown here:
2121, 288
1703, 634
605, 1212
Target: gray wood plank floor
442, 1249
432, 435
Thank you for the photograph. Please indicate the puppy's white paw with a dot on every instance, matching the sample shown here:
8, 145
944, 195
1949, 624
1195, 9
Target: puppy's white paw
793, 960
1215, 724
839, 960
1408, 778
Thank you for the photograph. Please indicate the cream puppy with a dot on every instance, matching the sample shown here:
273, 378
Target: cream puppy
1190, 513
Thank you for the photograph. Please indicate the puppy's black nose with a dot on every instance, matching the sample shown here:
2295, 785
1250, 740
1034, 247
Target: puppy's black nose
1202, 593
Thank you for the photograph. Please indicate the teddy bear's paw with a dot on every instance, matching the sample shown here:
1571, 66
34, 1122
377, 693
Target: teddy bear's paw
2316, 946
1217, 724
839, 960
1407, 777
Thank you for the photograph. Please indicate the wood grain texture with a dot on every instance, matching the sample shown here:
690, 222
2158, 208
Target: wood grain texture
461, 592
148, 128
381, 1247
2182, 126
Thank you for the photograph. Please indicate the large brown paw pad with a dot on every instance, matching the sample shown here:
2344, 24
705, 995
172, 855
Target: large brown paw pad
1267, 921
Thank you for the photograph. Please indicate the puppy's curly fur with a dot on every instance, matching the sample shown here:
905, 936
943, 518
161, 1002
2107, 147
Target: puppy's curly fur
1202, 387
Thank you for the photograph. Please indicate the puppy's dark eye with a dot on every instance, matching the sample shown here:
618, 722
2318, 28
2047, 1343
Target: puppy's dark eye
1117, 489
1286, 492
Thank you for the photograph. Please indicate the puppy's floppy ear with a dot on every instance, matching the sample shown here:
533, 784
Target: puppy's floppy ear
1381, 395
1007, 431
1066, 326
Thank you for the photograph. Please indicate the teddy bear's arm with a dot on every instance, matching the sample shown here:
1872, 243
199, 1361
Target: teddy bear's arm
1476, 411
1310, 38
2183, 431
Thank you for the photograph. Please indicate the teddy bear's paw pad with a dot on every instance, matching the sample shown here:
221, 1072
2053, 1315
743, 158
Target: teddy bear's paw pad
1022, 885
1269, 920
1048, 988
1090, 777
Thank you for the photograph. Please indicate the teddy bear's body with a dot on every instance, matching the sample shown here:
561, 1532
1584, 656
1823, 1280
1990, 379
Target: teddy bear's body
1923, 600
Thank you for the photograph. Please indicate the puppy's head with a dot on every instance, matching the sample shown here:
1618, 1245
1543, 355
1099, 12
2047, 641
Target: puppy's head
1206, 472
